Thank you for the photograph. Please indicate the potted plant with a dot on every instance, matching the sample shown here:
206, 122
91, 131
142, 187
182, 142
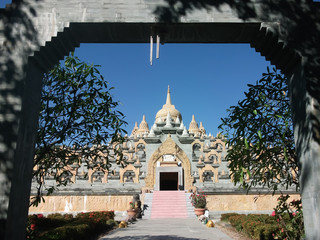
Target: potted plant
131, 211
199, 203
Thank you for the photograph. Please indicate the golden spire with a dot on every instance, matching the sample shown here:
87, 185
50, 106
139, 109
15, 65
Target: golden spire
168, 101
168, 108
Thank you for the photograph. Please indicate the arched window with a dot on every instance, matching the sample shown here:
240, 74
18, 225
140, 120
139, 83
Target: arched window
129, 176
207, 176
97, 176
196, 147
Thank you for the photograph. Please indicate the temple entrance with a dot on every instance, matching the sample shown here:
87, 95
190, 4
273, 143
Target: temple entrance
169, 181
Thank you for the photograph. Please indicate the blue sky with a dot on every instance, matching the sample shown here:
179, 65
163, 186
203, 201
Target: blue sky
205, 79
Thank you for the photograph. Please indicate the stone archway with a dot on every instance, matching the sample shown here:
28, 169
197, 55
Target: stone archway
169, 147
35, 35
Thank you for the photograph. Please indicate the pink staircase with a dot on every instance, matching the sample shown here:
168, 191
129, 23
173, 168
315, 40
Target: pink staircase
169, 204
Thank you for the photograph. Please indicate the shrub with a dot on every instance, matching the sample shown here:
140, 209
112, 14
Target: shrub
101, 216
264, 231
111, 222
55, 215
225, 216
256, 226
236, 221
248, 226
58, 226
68, 233
289, 217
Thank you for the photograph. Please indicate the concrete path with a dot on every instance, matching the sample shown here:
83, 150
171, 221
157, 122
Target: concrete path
167, 229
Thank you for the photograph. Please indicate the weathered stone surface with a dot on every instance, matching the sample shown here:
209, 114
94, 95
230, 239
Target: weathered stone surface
68, 204
236, 202
243, 202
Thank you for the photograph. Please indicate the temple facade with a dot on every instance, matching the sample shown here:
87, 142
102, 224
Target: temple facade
167, 155
172, 156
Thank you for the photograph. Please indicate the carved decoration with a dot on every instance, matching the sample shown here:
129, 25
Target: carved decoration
141, 141
92, 171
208, 168
71, 170
130, 167
197, 141
213, 152
169, 147
222, 144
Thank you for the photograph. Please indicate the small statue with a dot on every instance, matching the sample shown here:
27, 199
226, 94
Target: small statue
210, 224
123, 224
207, 176
137, 204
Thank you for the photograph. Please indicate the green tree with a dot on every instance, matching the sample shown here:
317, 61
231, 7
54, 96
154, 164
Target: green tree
259, 133
78, 119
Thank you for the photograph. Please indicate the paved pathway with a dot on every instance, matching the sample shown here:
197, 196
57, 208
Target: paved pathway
167, 229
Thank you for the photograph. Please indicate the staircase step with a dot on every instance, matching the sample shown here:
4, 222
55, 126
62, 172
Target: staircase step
168, 204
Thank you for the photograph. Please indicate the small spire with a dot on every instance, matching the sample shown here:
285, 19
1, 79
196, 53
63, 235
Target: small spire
151, 134
135, 128
181, 125
143, 127
154, 126
168, 102
201, 128
185, 132
193, 126
168, 120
